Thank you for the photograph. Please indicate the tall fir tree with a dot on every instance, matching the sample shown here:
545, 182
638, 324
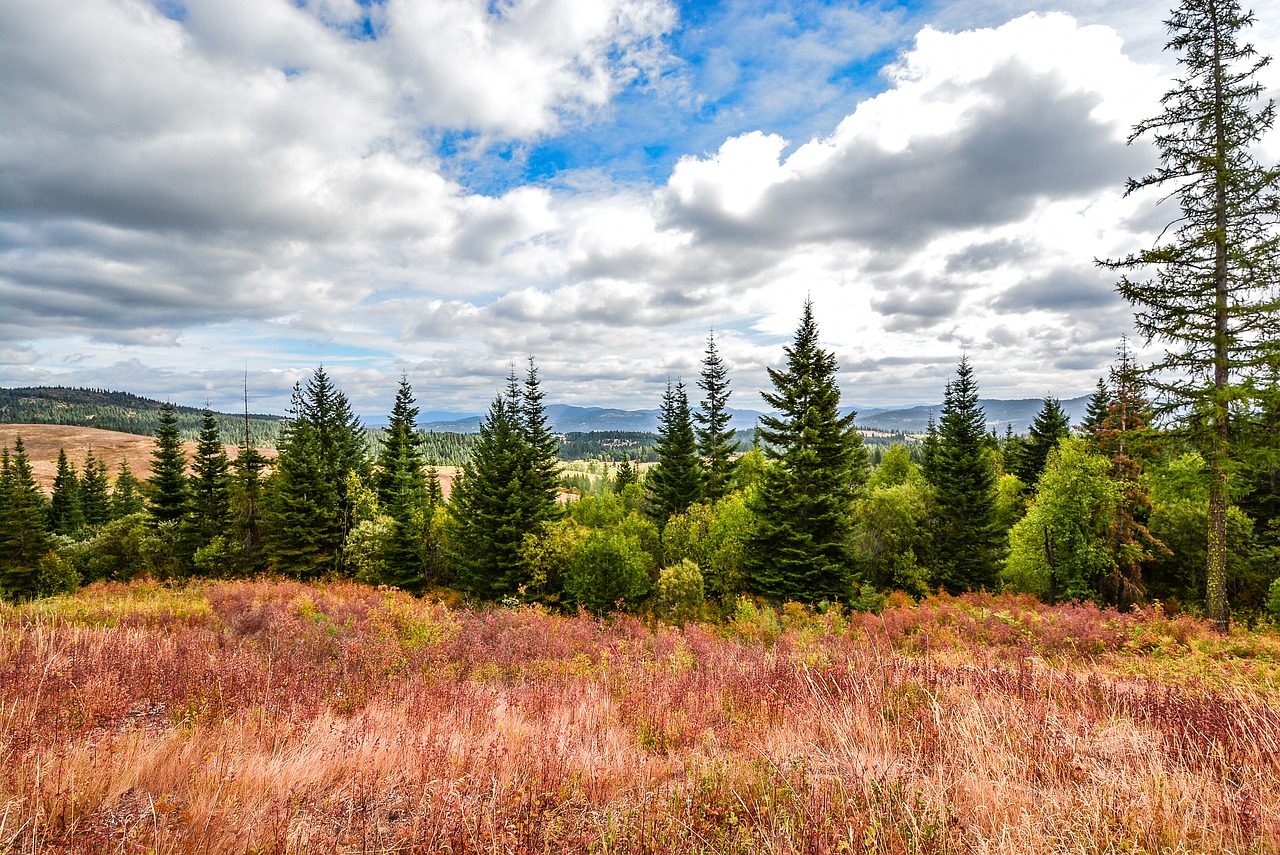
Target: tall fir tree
1096, 409
95, 491
167, 487
716, 445
966, 540
126, 493
401, 483
24, 531
65, 513
1049, 425
676, 482
304, 512
504, 494
247, 497
208, 490
799, 549
1212, 298
544, 446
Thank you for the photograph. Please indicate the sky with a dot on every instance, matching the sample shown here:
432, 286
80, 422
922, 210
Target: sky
198, 192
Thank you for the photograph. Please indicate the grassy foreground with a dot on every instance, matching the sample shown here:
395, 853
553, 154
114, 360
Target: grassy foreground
280, 717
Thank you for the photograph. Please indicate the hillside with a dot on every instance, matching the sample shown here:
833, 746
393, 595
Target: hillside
121, 411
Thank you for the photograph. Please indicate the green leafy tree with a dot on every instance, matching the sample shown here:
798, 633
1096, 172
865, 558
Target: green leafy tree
95, 491
610, 567
24, 529
716, 445
891, 529
1049, 425
1212, 297
676, 482
65, 513
167, 488
966, 539
799, 549
1061, 549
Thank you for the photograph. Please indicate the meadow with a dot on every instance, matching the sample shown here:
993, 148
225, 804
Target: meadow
276, 717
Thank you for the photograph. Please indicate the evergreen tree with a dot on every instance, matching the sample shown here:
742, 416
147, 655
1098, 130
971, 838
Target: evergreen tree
209, 489
625, 475
966, 539
1049, 425
1216, 267
676, 482
544, 446
1096, 409
65, 513
800, 547
247, 497
24, 533
308, 510
95, 492
716, 445
402, 493
126, 493
167, 493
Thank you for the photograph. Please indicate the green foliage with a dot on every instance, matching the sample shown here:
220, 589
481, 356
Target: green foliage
714, 537
1050, 425
126, 493
610, 567
1012, 500
716, 443
403, 494
800, 548
1180, 574
891, 534
208, 491
958, 465
679, 596
95, 494
676, 482
1061, 549
121, 550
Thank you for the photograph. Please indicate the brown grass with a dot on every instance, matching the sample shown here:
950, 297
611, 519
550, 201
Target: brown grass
278, 717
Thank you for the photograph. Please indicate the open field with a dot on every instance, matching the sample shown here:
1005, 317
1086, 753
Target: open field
278, 717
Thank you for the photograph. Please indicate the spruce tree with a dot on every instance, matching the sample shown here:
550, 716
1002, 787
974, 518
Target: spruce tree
676, 482
247, 497
126, 493
1095, 411
716, 445
544, 447
625, 475
966, 538
95, 491
209, 489
167, 488
402, 493
800, 547
65, 514
24, 532
303, 512
1049, 425
1212, 298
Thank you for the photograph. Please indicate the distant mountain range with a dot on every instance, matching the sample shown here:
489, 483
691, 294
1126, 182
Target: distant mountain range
133, 414
569, 419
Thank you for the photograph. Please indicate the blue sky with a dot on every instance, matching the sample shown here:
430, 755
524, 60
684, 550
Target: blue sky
441, 189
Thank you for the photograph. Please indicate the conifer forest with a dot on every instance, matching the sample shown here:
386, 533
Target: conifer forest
967, 641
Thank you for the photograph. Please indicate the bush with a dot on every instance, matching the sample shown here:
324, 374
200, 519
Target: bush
680, 595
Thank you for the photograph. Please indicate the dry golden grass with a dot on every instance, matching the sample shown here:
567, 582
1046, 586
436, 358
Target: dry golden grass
278, 717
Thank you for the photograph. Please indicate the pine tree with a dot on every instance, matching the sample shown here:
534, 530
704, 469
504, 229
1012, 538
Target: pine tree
65, 514
24, 533
126, 493
625, 475
167, 493
966, 539
800, 547
209, 489
676, 482
544, 447
95, 491
716, 445
1049, 425
247, 496
1212, 298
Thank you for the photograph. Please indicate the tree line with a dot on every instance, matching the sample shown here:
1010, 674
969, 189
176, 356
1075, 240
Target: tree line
1166, 492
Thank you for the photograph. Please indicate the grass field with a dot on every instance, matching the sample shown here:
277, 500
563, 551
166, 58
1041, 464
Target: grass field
278, 717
